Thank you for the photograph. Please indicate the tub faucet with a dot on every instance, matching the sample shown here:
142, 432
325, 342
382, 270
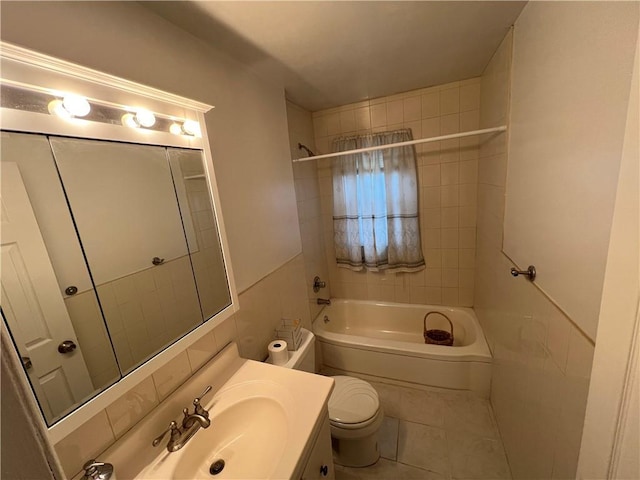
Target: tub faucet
323, 301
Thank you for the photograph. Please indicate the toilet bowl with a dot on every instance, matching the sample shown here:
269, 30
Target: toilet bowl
355, 413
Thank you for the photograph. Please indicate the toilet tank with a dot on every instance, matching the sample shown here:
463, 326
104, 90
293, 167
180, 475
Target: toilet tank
305, 357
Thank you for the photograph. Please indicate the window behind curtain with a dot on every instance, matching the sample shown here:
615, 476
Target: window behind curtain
375, 206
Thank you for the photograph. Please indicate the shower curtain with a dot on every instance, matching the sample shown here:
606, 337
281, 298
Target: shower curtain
375, 204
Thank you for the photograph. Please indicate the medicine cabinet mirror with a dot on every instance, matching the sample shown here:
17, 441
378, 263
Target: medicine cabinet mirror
110, 253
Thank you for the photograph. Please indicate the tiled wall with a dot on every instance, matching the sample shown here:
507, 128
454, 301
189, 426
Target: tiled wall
542, 363
102, 430
280, 294
447, 198
305, 178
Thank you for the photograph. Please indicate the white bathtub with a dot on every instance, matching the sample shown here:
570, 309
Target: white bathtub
386, 340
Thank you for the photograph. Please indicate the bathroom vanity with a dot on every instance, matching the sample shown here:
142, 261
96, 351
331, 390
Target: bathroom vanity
266, 422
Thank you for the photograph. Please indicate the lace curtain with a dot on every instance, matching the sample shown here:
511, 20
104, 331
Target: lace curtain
375, 204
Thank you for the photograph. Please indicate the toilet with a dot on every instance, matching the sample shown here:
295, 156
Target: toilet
355, 412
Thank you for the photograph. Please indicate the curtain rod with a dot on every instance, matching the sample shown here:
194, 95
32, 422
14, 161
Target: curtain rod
502, 128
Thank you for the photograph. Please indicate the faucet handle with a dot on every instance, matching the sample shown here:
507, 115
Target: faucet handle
173, 428
206, 390
198, 410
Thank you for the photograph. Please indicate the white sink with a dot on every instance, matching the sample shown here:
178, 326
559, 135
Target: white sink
262, 423
249, 431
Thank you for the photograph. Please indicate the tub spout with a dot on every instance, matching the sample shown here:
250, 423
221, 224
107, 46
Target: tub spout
323, 301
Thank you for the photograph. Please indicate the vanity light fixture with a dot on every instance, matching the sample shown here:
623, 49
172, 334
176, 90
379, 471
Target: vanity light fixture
55, 108
76, 105
70, 106
142, 118
145, 118
129, 120
191, 127
176, 129
188, 127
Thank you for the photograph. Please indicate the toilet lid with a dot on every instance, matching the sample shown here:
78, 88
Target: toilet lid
352, 401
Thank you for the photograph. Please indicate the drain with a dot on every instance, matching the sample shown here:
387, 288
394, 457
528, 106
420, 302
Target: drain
216, 467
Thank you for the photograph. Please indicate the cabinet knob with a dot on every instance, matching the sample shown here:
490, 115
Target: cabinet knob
324, 470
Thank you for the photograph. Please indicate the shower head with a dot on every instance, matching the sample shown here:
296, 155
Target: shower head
306, 149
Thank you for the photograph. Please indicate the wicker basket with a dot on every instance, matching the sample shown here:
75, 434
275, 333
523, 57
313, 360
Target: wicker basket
435, 336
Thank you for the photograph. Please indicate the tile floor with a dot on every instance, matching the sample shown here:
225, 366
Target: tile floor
434, 435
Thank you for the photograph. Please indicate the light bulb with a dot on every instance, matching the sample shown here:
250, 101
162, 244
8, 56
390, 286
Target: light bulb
129, 120
192, 128
145, 118
76, 105
56, 108
176, 129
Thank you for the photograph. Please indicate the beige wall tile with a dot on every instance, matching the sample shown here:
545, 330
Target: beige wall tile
129, 409
432, 197
430, 127
449, 196
333, 124
395, 112
347, 121
431, 175
433, 276
449, 237
93, 437
172, 375
450, 277
449, 101
430, 105
412, 107
449, 124
470, 97
450, 217
362, 118
201, 352
449, 174
378, 115
469, 120
434, 295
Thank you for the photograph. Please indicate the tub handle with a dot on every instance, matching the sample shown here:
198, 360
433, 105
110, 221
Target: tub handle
441, 337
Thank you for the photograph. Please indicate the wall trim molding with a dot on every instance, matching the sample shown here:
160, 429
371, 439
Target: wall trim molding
42, 61
631, 376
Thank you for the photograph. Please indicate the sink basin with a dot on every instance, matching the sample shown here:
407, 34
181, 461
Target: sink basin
250, 427
249, 436
248, 432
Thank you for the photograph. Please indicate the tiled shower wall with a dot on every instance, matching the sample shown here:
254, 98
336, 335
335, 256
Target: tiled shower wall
305, 179
447, 191
542, 363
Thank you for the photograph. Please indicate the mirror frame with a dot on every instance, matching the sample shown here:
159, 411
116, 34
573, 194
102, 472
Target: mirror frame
23, 67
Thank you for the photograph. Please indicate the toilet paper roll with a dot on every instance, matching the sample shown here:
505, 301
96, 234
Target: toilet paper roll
278, 353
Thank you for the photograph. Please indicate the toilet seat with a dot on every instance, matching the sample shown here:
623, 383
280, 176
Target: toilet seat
354, 403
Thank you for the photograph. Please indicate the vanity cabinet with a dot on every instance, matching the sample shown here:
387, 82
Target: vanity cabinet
320, 462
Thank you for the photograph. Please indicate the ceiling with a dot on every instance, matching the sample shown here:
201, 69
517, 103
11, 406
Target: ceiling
337, 52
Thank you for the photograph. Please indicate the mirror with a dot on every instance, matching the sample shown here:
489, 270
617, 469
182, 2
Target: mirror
134, 259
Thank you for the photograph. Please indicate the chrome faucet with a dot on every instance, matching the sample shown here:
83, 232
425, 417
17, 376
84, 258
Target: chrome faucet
323, 301
191, 423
